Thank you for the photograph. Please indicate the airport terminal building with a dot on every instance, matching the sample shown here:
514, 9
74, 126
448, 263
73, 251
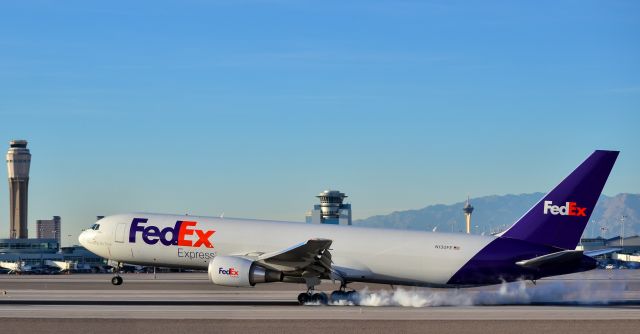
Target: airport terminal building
629, 245
40, 255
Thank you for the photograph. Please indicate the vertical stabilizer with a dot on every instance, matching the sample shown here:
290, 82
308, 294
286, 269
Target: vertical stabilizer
560, 217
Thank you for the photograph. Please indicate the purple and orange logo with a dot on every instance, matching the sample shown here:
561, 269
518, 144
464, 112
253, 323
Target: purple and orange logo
569, 209
229, 272
181, 234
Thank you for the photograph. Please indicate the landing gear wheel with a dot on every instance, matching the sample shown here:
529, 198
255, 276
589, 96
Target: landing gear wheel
338, 295
304, 298
116, 280
347, 296
315, 298
353, 297
320, 298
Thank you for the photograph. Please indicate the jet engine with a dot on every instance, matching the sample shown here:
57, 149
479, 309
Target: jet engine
239, 271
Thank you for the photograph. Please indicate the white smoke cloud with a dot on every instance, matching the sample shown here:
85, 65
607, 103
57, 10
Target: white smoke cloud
575, 292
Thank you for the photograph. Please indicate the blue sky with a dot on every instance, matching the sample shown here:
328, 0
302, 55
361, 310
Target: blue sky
253, 107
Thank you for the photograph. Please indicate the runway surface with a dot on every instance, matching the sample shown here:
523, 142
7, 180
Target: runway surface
591, 302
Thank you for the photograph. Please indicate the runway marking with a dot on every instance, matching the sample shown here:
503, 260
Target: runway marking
192, 296
289, 312
155, 302
148, 302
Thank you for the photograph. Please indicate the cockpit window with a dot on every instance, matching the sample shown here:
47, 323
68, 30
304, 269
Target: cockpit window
95, 227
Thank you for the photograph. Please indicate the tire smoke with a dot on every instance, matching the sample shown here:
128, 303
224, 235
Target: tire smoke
516, 293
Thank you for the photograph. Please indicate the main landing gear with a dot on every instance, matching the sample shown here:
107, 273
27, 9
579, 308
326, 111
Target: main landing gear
346, 296
313, 298
321, 298
342, 295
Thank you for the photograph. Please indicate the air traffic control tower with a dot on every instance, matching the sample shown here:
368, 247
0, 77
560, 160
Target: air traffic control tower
18, 162
331, 210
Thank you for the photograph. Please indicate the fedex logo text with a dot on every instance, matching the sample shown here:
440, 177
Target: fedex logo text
229, 272
569, 209
181, 234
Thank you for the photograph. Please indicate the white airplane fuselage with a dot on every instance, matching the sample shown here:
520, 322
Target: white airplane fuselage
361, 254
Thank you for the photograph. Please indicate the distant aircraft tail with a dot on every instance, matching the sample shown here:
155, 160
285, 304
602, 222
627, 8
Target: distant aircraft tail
560, 217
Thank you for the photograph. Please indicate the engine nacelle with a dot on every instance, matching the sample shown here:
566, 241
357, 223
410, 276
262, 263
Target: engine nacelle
238, 271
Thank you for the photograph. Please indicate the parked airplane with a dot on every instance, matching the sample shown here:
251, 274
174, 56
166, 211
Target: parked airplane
18, 267
243, 252
67, 266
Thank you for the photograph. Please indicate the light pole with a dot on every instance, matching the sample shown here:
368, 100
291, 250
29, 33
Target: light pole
622, 235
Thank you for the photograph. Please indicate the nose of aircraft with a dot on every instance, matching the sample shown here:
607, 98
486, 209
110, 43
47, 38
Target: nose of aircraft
82, 238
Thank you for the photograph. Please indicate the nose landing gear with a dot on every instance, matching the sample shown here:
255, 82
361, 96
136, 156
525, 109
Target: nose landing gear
116, 279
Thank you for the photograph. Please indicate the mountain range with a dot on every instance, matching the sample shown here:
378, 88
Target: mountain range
497, 212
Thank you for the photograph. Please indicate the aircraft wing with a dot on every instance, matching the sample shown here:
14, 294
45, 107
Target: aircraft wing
603, 251
552, 259
311, 255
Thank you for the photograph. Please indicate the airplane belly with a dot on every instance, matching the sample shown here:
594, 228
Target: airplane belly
428, 261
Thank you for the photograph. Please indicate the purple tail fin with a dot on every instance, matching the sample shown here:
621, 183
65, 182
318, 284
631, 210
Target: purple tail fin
560, 217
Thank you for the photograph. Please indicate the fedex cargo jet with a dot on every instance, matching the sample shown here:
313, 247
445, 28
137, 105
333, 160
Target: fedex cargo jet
243, 252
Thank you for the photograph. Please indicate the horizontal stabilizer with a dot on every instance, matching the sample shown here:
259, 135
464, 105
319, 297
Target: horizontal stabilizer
553, 259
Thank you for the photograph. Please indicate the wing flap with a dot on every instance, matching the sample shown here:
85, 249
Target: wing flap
300, 256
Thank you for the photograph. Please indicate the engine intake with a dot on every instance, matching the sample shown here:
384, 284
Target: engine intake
239, 271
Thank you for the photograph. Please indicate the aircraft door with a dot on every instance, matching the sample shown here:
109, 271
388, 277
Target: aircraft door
120, 232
